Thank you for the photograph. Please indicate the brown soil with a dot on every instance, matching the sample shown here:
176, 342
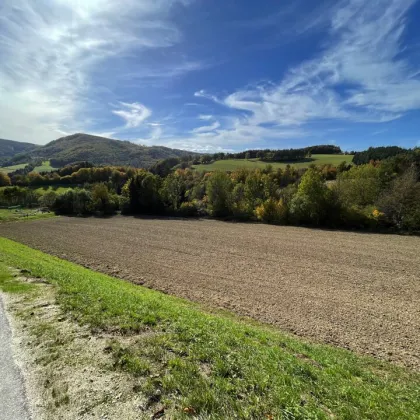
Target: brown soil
358, 291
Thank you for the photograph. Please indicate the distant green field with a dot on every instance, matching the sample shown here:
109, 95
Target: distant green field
232, 164
44, 167
58, 190
8, 169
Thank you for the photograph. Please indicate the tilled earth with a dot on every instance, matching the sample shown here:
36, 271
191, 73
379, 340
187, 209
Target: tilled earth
355, 290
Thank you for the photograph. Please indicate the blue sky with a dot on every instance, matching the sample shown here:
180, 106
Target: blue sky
212, 75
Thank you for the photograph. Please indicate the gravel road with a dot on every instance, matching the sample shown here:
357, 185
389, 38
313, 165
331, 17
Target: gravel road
355, 290
12, 395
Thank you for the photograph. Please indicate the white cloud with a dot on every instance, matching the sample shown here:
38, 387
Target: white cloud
134, 114
50, 49
163, 71
53, 50
207, 128
233, 135
203, 94
359, 77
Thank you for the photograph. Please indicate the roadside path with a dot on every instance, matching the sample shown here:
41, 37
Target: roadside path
13, 404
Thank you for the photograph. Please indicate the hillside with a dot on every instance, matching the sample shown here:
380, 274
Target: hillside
100, 151
10, 148
233, 164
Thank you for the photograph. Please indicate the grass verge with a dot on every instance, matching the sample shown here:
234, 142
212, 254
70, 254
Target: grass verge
11, 215
194, 363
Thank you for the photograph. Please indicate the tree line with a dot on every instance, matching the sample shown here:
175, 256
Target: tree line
378, 154
375, 195
75, 174
271, 155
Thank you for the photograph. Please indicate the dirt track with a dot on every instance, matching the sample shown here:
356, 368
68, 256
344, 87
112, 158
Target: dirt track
358, 291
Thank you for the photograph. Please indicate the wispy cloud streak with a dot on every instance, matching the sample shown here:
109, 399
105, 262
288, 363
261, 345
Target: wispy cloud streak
50, 48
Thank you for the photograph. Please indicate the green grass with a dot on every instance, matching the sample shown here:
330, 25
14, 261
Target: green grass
13, 168
213, 365
10, 284
232, 164
45, 167
13, 215
49, 188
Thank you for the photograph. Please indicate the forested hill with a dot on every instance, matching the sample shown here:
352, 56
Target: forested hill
10, 148
100, 151
379, 153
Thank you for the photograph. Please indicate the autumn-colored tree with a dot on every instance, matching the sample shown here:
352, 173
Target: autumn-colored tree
4, 180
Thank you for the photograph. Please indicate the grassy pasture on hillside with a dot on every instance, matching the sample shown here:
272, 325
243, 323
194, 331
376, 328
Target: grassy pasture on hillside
52, 188
8, 169
211, 365
44, 167
232, 164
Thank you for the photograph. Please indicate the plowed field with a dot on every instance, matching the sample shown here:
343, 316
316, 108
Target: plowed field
358, 291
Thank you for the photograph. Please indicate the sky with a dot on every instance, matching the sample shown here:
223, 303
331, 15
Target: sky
212, 75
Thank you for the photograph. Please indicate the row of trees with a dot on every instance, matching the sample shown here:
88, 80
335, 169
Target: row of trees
269, 155
377, 153
365, 196
93, 199
75, 175
371, 196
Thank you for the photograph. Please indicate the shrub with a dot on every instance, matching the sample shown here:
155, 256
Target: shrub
359, 217
188, 209
103, 200
14, 196
401, 202
78, 202
48, 199
272, 211
4, 180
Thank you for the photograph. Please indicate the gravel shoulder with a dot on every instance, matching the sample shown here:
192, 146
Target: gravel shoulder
12, 391
354, 290
68, 373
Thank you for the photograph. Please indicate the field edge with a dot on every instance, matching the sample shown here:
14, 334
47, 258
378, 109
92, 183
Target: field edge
191, 359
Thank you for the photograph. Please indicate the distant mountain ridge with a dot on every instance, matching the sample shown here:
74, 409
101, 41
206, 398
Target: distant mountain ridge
11, 148
99, 151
